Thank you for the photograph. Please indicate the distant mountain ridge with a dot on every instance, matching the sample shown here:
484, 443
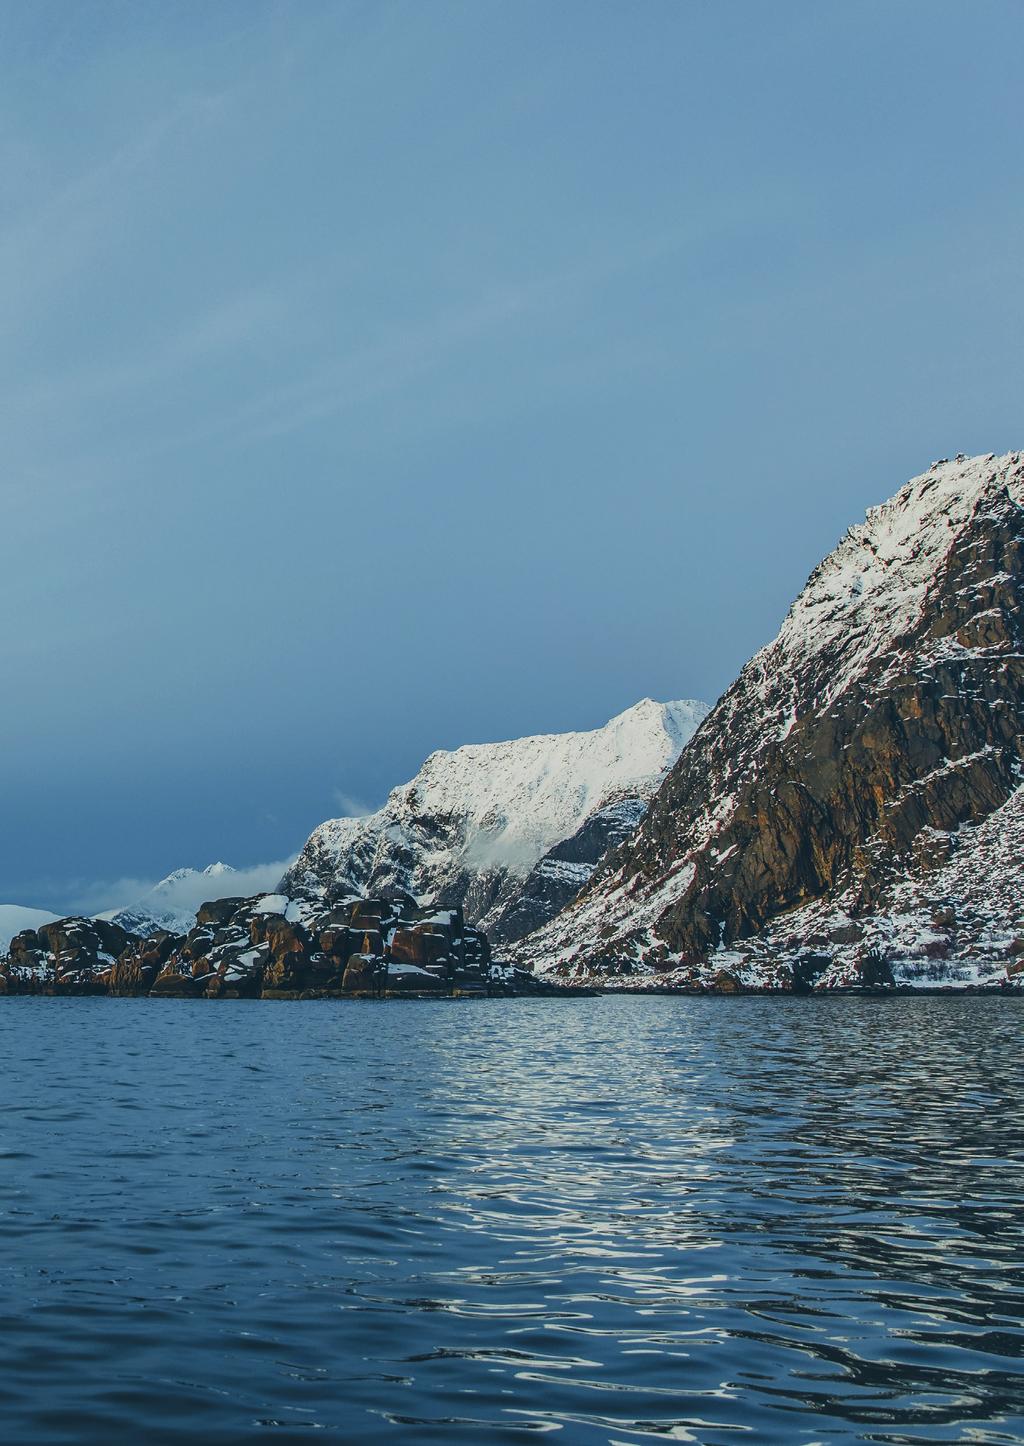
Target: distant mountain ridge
830, 820
508, 831
171, 904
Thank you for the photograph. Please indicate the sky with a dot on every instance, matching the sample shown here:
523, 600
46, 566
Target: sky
379, 377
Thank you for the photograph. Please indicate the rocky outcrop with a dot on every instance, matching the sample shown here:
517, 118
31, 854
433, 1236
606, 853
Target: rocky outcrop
269, 947
507, 832
69, 956
136, 970
857, 753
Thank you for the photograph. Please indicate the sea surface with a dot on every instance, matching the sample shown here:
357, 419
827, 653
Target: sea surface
608, 1220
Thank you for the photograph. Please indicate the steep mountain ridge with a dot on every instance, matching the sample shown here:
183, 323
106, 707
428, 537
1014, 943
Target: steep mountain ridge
883, 720
508, 831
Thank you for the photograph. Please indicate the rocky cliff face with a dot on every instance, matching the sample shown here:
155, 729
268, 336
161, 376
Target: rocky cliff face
508, 832
851, 767
72, 954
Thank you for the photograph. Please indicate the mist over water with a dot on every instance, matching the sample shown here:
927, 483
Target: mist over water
610, 1220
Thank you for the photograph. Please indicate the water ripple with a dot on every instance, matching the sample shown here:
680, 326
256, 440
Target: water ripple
615, 1221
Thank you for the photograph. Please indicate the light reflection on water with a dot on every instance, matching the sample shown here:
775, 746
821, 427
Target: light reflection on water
609, 1220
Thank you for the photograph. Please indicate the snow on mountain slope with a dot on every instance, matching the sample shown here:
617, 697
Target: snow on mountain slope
15, 917
890, 703
959, 921
474, 824
172, 903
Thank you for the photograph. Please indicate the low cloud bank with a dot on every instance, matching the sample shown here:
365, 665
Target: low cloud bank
183, 895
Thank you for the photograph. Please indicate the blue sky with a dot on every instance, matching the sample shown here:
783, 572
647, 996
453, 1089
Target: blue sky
377, 377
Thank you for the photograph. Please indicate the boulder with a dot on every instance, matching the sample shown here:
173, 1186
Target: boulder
219, 911
421, 944
176, 986
408, 979
874, 970
364, 974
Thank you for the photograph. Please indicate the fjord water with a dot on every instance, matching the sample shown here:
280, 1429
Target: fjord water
607, 1220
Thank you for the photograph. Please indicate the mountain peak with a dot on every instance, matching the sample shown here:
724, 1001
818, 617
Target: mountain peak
492, 811
170, 904
872, 586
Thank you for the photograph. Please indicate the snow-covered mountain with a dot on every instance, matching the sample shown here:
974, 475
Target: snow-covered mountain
510, 831
172, 903
851, 804
15, 917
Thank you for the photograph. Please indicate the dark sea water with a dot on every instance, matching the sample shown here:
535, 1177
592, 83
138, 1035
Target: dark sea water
609, 1220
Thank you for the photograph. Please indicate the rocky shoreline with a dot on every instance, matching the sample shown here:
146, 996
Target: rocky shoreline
893, 991
272, 947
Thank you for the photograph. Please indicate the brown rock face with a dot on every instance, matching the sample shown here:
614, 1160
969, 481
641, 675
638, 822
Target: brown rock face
928, 738
218, 912
139, 965
238, 949
177, 986
69, 956
364, 974
422, 944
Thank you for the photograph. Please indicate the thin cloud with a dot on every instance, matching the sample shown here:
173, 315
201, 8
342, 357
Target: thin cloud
403, 354
351, 807
248, 318
61, 235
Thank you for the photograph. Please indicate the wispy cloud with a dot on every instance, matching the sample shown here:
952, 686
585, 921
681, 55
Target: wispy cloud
250, 316
351, 807
401, 355
61, 234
